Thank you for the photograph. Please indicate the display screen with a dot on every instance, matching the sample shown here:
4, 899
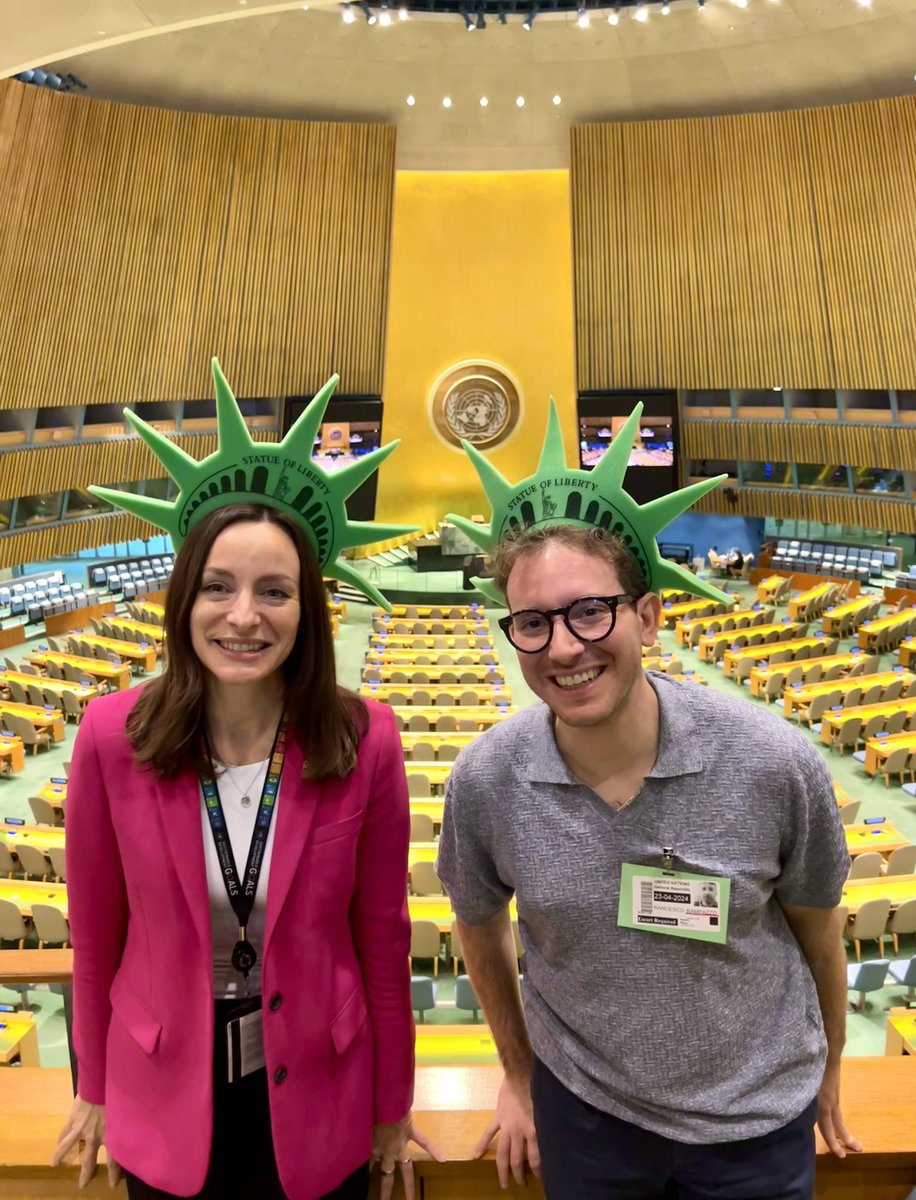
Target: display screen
652, 459
342, 443
352, 428
653, 445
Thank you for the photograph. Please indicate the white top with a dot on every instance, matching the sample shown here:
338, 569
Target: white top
233, 783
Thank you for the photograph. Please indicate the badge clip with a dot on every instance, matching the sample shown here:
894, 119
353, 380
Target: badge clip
668, 858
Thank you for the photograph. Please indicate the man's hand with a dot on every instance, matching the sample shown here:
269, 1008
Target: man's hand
829, 1117
514, 1122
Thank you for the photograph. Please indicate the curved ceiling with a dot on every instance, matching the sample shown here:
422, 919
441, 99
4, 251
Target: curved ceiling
302, 61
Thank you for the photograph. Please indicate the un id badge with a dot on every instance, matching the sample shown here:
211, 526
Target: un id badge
674, 902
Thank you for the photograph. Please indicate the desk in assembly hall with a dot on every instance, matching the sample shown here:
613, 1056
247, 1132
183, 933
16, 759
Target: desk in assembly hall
45, 720
799, 694
131, 651
114, 674
42, 837
762, 653
768, 588
18, 1040
424, 626
150, 606
439, 910
869, 633
12, 751
428, 806
484, 715
711, 642
900, 1037
672, 613
884, 838
896, 888
684, 629
26, 892
47, 684
436, 612
453, 1105
799, 602
831, 721
482, 674
760, 675
455, 1044
429, 737
833, 619
451, 660
906, 652
423, 642
879, 749
489, 693
154, 634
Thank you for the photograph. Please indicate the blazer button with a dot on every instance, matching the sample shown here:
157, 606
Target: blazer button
275, 1001
280, 1075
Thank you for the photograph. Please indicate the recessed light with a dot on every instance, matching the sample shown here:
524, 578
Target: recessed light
402, 13
446, 102
556, 99
613, 19
484, 102
411, 100
348, 16
520, 101
583, 21
642, 13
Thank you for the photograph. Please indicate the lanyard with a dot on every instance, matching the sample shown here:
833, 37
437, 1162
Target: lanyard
242, 896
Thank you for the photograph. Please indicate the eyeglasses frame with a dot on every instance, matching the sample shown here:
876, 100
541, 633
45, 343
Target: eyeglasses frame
612, 601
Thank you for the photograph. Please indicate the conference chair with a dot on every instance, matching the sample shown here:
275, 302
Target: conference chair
469, 698
895, 764
26, 668
18, 694
8, 865
422, 699
12, 924
812, 713
421, 827
455, 949
51, 926
447, 724
36, 696
794, 675
852, 698
873, 694
424, 751
867, 865
33, 862
847, 734
58, 859
895, 722
904, 971
864, 978
419, 723
448, 753
54, 670
445, 700
466, 725
71, 674
869, 922
44, 812
398, 698
466, 997
743, 670
10, 665
488, 658
774, 686
902, 920
424, 881
422, 995
424, 942
902, 861
448, 678
849, 812
873, 726
24, 729
418, 786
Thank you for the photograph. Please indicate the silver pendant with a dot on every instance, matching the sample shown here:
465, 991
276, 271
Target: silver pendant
246, 802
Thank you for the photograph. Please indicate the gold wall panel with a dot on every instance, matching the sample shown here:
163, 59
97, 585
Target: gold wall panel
841, 509
763, 250
885, 446
135, 243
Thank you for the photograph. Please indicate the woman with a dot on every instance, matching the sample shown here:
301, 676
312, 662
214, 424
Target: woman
243, 769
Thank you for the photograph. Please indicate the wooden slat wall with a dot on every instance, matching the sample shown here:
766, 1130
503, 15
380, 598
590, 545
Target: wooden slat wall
841, 509
135, 243
75, 465
764, 250
884, 446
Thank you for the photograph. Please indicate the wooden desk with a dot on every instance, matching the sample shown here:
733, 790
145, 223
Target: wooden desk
490, 693
13, 751
405, 659
415, 642
456, 1044
768, 587
482, 674
154, 634
65, 621
36, 966
54, 793
152, 607
707, 645
800, 601
475, 628
878, 749
461, 739
883, 838
897, 888
50, 720
795, 697
906, 652
869, 632
485, 715
831, 720
760, 675
683, 629
46, 683
672, 613
900, 1037
43, 837
431, 807
19, 1039
762, 653
435, 612
26, 892
13, 635
114, 675
439, 909
834, 618
132, 651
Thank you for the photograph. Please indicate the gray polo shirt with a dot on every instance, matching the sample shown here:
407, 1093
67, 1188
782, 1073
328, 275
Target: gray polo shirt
696, 1041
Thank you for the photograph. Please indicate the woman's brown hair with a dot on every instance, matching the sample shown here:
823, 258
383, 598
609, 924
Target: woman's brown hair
166, 726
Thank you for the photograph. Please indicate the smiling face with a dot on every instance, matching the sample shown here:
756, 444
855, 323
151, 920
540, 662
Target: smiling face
246, 613
585, 683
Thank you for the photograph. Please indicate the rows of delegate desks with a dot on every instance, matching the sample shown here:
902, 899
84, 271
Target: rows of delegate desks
48, 684
791, 645
800, 695
760, 676
833, 719
116, 675
741, 618
713, 644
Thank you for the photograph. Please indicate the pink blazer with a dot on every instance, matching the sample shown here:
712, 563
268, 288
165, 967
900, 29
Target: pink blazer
338, 1024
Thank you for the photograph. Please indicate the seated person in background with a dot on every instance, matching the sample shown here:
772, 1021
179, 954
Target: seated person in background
475, 565
734, 562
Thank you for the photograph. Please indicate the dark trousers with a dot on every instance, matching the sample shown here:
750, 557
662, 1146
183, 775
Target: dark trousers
589, 1153
242, 1159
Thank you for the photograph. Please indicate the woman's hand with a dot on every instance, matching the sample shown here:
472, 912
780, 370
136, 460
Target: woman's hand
86, 1123
389, 1150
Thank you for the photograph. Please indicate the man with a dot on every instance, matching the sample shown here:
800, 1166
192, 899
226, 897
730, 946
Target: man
663, 1052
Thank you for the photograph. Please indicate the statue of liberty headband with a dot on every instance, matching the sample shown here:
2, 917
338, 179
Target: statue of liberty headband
559, 495
280, 475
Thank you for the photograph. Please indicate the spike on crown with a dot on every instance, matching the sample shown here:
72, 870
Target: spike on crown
559, 495
280, 475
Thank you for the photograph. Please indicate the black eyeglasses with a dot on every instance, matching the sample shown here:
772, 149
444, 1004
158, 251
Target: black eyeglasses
590, 619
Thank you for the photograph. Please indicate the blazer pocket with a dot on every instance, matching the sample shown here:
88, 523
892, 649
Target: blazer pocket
349, 1020
338, 829
135, 1016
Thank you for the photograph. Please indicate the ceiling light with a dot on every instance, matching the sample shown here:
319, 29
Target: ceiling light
865, 3
484, 102
556, 99
532, 13
446, 102
402, 13
367, 12
642, 13
348, 16
740, 3
411, 100
613, 19
520, 101
701, 5
666, 8
384, 17
582, 20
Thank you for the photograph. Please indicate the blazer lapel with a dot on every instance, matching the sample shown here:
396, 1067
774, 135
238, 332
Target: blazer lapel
296, 811
179, 805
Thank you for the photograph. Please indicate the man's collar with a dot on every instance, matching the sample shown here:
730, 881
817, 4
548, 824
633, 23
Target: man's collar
678, 740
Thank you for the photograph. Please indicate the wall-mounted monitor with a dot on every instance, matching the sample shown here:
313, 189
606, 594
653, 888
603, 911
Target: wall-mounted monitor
352, 428
653, 455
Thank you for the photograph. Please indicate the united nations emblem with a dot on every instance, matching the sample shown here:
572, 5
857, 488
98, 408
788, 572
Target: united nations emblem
475, 401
